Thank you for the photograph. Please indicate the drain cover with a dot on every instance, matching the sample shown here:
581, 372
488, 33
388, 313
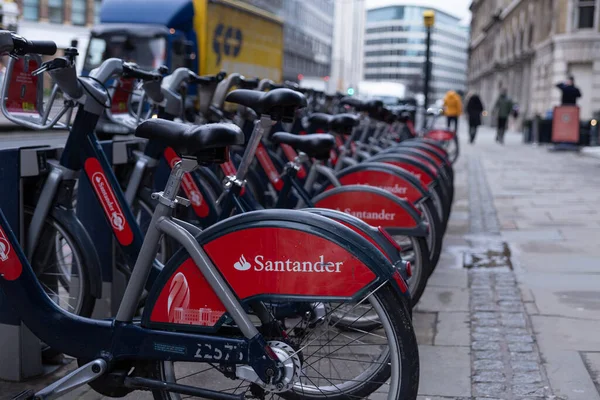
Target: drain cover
489, 256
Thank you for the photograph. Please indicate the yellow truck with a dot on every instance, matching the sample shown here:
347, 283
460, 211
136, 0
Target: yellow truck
206, 36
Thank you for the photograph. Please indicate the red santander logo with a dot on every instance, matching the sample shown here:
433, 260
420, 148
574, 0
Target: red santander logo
261, 263
109, 202
10, 265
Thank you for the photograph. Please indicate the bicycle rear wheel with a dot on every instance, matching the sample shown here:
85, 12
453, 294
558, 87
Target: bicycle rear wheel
61, 264
336, 364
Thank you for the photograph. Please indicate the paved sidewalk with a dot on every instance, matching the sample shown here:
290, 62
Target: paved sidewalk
527, 328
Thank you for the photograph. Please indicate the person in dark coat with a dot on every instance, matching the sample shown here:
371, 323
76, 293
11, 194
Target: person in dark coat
474, 110
570, 92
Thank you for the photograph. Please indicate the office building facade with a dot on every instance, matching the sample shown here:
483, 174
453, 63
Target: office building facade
308, 35
395, 46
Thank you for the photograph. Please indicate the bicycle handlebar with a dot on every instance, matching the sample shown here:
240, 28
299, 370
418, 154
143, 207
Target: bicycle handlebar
248, 83
131, 70
206, 79
44, 47
19, 46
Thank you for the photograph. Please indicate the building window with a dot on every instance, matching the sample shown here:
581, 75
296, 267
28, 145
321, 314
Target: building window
97, 5
78, 11
31, 10
530, 37
586, 11
55, 11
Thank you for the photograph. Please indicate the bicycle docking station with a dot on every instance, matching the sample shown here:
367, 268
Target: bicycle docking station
20, 350
91, 215
21, 167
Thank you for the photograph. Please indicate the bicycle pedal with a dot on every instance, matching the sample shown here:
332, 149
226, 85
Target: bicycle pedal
25, 395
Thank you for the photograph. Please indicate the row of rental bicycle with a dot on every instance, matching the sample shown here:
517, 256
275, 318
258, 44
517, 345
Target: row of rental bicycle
271, 249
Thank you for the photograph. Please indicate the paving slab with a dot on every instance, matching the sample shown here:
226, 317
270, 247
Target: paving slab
568, 375
453, 329
559, 333
443, 371
540, 235
560, 262
446, 277
425, 327
575, 297
437, 298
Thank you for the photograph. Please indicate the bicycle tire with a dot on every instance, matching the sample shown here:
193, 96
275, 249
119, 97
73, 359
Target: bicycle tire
419, 287
436, 231
404, 347
63, 221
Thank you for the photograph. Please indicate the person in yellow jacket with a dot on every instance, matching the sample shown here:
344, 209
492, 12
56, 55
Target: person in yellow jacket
452, 108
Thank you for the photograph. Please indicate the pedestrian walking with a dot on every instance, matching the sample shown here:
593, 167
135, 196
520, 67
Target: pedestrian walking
474, 110
570, 92
502, 109
452, 108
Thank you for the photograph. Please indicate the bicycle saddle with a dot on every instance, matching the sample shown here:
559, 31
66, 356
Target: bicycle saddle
317, 145
353, 102
192, 140
373, 106
384, 115
319, 121
343, 124
280, 104
340, 124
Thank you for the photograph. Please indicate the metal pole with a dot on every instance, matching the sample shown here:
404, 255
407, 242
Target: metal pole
427, 66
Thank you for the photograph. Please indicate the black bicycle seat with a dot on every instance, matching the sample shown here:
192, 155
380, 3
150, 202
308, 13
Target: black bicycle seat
382, 114
192, 140
317, 145
319, 121
280, 104
342, 124
352, 102
373, 106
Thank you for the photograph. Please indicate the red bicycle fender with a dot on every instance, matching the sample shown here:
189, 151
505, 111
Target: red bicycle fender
417, 171
374, 206
440, 135
393, 179
269, 256
430, 144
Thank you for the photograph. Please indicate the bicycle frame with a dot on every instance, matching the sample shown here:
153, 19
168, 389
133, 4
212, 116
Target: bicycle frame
87, 339
83, 151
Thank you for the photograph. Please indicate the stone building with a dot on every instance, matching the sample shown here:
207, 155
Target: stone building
63, 21
528, 46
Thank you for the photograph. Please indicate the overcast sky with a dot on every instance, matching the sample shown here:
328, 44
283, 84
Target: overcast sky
459, 8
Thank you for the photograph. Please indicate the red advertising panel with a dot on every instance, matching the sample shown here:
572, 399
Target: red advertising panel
257, 261
372, 208
23, 87
565, 124
120, 97
109, 201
